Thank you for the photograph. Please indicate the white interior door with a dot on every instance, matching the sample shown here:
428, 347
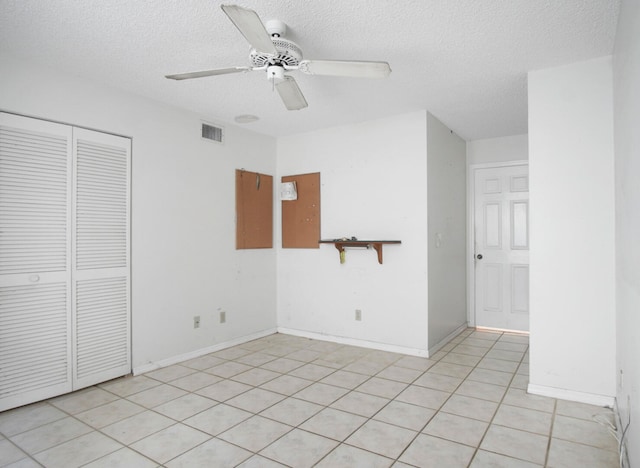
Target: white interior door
501, 217
35, 260
100, 273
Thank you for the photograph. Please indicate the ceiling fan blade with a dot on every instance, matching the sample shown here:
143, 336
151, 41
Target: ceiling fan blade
290, 93
249, 24
203, 73
355, 69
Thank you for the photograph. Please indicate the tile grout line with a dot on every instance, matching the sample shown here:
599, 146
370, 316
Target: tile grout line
553, 421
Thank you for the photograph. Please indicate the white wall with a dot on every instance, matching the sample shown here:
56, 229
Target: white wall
502, 149
447, 211
373, 186
572, 231
626, 74
184, 261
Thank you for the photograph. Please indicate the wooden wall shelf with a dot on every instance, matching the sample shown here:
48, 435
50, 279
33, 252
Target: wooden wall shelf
342, 244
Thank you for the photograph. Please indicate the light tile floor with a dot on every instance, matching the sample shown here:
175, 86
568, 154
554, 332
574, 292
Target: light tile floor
290, 401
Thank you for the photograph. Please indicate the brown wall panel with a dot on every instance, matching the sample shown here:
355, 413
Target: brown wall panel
301, 217
254, 210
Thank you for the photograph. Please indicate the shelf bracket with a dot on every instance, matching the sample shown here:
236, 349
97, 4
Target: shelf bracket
340, 245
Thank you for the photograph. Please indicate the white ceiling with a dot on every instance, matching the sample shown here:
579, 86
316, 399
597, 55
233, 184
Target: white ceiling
466, 61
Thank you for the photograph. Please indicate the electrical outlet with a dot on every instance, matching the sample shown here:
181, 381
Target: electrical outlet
196, 321
223, 316
358, 315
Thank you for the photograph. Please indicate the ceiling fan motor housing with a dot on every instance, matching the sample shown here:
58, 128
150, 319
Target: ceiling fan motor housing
288, 54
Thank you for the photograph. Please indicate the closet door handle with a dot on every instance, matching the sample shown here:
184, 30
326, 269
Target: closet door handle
479, 256
34, 278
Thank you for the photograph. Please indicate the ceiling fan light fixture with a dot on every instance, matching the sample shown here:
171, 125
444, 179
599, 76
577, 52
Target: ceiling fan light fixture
275, 73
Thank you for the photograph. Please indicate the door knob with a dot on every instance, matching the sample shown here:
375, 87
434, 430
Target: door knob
479, 256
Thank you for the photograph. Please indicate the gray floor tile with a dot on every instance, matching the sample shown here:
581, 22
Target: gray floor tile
345, 379
584, 432
321, 394
156, 396
382, 438
79, 451
255, 433
334, 424
125, 457
9, 453
515, 443
292, 411
286, 385
346, 456
185, 406
170, 442
382, 387
110, 413
524, 419
360, 403
432, 452
299, 448
566, 454
51, 434
217, 419
405, 415
456, 428
83, 400
422, 396
167, 374
28, 417
255, 400
214, 452
484, 459
137, 427
469, 407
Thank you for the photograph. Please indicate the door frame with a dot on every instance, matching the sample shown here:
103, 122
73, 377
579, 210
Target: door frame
471, 271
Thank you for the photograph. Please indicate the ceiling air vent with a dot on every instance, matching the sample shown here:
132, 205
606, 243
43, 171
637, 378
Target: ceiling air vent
212, 132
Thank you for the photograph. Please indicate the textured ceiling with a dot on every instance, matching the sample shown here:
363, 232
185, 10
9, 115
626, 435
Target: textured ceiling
464, 60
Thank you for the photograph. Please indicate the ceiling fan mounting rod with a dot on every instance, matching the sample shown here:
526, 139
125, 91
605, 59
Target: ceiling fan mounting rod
275, 28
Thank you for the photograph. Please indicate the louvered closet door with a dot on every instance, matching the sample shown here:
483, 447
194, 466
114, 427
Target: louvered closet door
35, 260
101, 312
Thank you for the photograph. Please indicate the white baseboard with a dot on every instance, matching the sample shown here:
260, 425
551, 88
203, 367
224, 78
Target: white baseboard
572, 395
200, 352
434, 349
355, 342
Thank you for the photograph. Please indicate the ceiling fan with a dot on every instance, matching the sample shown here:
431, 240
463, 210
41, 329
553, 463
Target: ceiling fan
272, 53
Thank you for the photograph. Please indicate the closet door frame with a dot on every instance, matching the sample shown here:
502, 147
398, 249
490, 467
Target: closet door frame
12, 284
